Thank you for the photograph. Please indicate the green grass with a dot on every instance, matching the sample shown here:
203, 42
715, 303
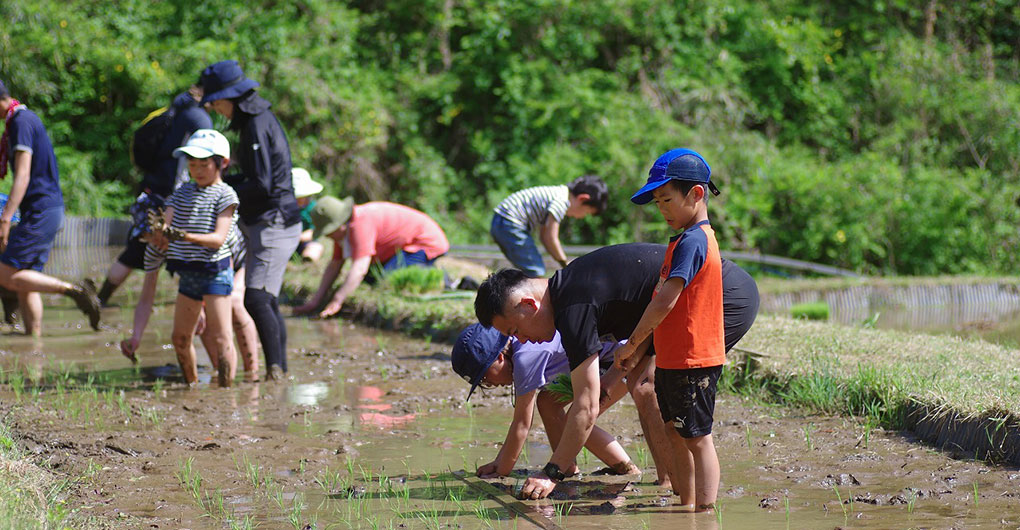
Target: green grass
880, 374
810, 311
30, 496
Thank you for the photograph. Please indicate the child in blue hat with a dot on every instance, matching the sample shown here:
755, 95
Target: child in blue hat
485, 357
686, 316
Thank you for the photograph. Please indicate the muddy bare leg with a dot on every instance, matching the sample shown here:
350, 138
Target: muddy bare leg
641, 383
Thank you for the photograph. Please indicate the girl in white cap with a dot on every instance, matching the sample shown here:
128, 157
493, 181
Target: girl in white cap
198, 217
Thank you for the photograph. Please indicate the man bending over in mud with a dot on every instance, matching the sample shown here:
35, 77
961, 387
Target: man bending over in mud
588, 301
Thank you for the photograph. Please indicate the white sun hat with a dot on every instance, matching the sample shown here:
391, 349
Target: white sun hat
303, 183
204, 143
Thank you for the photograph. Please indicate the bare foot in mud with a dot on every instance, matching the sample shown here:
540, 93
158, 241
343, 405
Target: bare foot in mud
622, 468
128, 350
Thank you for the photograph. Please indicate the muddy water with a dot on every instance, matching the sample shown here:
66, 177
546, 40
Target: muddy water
370, 426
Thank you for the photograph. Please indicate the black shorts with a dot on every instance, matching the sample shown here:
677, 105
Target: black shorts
687, 398
134, 254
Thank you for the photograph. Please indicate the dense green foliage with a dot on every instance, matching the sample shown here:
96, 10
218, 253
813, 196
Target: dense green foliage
877, 135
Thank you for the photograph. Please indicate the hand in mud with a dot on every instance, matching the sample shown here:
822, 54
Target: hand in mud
490, 470
538, 486
306, 308
128, 347
332, 308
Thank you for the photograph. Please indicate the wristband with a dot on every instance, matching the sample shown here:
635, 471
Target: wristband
552, 471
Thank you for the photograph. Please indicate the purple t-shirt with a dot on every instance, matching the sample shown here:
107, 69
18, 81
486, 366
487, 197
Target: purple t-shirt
535, 365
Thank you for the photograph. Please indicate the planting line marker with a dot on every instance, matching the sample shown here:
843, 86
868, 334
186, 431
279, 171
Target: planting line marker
507, 501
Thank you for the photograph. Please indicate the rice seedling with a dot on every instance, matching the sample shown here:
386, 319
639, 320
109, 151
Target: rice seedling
152, 415
190, 478
910, 501
294, 514
16, 380
976, 496
747, 435
807, 437
562, 510
642, 454
561, 388
786, 501
840, 499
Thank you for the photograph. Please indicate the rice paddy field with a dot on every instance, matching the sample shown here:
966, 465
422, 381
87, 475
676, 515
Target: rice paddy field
819, 425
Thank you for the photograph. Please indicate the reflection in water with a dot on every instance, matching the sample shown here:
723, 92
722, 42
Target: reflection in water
307, 394
377, 419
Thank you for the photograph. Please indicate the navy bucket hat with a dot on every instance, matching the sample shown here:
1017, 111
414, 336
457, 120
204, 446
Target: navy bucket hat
476, 349
224, 80
675, 164
3, 89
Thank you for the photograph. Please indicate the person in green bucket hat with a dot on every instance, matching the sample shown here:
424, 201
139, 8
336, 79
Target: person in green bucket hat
391, 235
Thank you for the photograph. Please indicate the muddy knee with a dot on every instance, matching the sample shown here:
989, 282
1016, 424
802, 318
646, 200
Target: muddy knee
181, 341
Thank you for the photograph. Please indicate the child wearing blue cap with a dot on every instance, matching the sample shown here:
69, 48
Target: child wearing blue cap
483, 356
686, 315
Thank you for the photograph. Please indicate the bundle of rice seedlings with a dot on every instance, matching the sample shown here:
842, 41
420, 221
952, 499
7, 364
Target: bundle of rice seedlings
561, 388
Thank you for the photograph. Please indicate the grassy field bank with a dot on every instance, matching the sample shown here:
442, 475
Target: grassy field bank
30, 496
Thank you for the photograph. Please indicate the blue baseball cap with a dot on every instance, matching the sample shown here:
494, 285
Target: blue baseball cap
224, 80
474, 352
675, 164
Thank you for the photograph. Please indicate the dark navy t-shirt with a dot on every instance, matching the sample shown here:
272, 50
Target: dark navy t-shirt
189, 117
28, 134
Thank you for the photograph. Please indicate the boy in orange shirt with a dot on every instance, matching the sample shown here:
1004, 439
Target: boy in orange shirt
686, 314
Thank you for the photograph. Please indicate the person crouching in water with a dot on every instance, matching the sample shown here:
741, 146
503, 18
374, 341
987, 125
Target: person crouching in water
198, 217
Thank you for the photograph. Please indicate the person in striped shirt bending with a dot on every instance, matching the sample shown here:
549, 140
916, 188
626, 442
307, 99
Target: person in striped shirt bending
544, 207
198, 218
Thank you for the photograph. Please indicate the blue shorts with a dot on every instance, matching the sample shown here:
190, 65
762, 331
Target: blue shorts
408, 259
518, 246
195, 285
31, 240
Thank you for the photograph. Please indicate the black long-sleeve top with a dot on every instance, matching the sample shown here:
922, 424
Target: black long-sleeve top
264, 184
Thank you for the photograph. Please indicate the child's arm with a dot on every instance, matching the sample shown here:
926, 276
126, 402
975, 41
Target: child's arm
657, 309
550, 236
515, 438
215, 238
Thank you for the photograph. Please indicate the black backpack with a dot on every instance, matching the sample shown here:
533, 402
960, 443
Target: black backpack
148, 138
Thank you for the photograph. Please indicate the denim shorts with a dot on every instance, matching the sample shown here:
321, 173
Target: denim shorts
31, 240
517, 245
195, 285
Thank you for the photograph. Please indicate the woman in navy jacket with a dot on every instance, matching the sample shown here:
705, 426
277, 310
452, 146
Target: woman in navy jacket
269, 215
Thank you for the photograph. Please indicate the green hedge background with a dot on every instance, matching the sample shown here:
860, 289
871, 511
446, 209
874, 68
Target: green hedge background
880, 136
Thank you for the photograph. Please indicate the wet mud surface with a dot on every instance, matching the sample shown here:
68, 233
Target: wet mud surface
370, 427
